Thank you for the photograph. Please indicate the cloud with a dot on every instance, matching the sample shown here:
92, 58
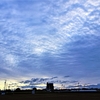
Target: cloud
94, 86
50, 38
54, 77
66, 76
41, 82
87, 86
25, 82
38, 80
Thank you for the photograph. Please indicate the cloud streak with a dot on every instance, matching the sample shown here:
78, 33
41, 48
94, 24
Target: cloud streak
41, 82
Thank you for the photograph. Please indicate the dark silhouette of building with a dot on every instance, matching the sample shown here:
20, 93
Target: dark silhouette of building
50, 87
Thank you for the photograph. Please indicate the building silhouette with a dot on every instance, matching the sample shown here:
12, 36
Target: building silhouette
50, 87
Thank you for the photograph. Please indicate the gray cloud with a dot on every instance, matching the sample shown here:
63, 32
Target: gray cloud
94, 86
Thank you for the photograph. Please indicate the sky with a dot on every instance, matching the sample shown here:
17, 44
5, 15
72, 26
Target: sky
49, 41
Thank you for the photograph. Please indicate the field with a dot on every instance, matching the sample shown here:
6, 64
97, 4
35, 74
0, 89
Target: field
52, 96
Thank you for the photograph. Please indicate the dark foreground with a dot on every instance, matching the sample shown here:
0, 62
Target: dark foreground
52, 96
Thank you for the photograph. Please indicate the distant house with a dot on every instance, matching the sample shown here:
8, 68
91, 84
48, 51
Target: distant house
50, 87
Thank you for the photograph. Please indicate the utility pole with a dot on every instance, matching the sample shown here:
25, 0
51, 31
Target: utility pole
5, 85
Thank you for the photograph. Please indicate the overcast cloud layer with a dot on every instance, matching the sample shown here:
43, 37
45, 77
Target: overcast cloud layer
46, 38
